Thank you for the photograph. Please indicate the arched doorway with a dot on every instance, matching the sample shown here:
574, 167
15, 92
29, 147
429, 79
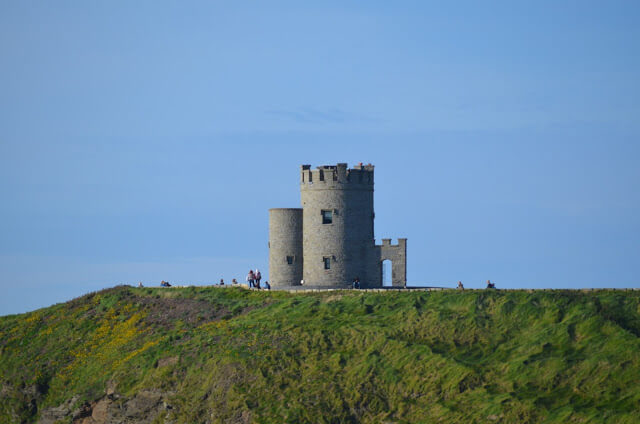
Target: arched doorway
387, 274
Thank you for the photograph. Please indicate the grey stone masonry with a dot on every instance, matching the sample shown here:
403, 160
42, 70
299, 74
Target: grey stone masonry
347, 241
398, 256
332, 234
285, 247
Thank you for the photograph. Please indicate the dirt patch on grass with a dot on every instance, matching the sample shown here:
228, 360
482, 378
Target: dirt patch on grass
159, 310
164, 312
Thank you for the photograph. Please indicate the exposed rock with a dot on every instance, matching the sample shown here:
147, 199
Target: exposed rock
111, 388
83, 412
144, 403
100, 411
142, 408
53, 414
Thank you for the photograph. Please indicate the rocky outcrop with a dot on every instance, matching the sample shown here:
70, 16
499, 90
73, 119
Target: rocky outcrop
53, 414
144, 407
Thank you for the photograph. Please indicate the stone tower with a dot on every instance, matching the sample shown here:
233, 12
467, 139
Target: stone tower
337, 224
330, 241
285, 246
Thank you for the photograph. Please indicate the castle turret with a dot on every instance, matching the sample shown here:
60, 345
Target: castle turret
338, 240
285, 247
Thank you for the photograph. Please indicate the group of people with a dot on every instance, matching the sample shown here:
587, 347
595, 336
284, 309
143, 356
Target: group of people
253, 280
490, 285
356, 283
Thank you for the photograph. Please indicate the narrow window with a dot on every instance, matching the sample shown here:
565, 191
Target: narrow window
327, 262
290, 260
321, 175
335, 176
327, 217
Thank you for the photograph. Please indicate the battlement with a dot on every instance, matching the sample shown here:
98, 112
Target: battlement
336, 175
387, 242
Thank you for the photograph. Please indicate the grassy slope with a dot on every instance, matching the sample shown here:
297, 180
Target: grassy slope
553, 356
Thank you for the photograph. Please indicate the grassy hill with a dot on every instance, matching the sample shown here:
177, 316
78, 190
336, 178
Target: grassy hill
197, 355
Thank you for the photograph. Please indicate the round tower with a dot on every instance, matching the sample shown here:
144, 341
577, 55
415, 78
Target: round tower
285, 246
338, 241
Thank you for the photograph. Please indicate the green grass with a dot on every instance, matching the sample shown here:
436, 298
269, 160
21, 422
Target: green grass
333, 357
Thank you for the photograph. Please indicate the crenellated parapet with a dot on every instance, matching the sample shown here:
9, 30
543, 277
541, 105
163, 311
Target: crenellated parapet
387, 242
337, 176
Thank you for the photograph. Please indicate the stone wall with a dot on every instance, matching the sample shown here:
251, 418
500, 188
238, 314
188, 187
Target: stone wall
285, 247
397, 254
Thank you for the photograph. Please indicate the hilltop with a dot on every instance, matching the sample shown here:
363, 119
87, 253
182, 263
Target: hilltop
213, 355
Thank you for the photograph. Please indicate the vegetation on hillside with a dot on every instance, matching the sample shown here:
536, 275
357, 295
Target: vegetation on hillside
233, 355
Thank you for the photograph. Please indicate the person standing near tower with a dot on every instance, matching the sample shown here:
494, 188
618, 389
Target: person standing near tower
250, 278
258, 277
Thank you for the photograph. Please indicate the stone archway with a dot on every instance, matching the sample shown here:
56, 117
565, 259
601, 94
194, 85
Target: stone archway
397, 255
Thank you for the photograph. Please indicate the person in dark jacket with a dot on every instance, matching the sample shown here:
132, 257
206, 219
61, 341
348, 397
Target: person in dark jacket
258, 277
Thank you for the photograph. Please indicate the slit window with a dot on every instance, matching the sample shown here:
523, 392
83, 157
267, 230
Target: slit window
327, 217
327, 262
290, 260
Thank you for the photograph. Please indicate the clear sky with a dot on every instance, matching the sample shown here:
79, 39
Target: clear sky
146, 140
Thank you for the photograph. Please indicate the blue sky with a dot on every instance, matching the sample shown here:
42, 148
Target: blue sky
147, 140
